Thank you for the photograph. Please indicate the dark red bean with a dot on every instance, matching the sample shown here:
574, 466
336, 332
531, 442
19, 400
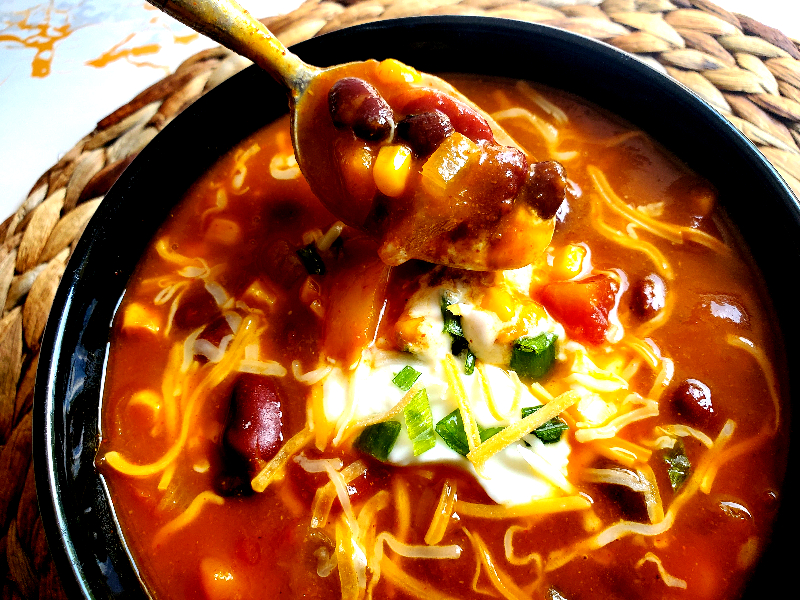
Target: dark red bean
692, 401
424, 132
648, 296
217, 329
254, 429
512, 171
545, 188
195, 308
465, 120
354, 103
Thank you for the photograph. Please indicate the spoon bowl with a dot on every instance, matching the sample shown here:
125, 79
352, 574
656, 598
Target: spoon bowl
416, 199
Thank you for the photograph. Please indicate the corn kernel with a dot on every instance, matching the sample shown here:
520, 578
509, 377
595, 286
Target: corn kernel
137, 316
356, 163
530, 313
568, 261
500, 302
392, 168
393, 71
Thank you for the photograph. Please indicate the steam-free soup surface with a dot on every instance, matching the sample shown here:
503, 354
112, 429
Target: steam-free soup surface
605, 423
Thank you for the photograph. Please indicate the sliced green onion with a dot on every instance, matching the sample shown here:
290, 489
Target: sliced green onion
451, 430
311, 260
678, 465
378, 440
532, 357
419, 422
549, 432
406, 378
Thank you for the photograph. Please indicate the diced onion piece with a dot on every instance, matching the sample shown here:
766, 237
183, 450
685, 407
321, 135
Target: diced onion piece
262, 367
392, 168
284, 167
139, 317
223, 231
261, 293
310, 377
446, 162
319, 465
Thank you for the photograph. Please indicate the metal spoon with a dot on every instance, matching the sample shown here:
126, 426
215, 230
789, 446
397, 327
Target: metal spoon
227, 23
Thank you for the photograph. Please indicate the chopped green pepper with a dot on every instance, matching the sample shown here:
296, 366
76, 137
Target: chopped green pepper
452, 325
406, 378
451, 430
311, 259
532, 357
550, 431
378, 440
678, 465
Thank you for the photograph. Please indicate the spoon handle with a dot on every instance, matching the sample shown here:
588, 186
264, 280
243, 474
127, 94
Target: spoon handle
230, 25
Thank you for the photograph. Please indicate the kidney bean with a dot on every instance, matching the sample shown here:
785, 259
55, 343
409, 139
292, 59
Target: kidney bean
692, 400
424, 132
196, 307
464, 119
353, 102
216, 329
253, 432
648, 296
545, 188
513, 166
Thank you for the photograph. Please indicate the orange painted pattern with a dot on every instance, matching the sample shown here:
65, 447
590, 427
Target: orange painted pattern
39, 28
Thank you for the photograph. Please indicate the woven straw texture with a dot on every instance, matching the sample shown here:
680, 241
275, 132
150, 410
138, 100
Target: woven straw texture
749, 72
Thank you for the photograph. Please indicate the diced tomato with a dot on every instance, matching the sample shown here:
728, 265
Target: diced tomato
464, 119
582, 306
356, 295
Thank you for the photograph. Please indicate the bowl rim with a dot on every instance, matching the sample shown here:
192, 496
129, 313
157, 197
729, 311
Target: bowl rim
49, 412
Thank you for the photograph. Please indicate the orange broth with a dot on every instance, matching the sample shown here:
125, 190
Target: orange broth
231, 247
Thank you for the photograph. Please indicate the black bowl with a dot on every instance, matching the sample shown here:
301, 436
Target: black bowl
78, 518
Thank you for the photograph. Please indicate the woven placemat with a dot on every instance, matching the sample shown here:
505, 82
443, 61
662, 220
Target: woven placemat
749, 72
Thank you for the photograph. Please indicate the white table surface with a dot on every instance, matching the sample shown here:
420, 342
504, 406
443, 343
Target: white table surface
65, 64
